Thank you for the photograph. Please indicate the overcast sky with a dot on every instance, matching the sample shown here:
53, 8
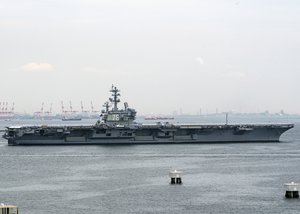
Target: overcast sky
240, 55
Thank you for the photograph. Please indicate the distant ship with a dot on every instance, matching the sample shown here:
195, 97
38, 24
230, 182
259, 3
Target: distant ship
7, 116
118, 126
158, 118
71, 118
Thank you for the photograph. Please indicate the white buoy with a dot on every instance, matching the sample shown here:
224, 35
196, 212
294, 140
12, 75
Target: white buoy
175, 176
292, 190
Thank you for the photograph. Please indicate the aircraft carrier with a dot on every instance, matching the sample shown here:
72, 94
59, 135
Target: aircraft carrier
118, 126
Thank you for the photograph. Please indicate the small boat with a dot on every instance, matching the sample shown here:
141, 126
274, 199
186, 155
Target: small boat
158, 118
71, 118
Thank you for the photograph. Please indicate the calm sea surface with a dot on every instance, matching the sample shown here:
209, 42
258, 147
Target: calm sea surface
217, 178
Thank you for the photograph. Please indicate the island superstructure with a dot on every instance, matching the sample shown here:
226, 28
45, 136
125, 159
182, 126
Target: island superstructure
118, 126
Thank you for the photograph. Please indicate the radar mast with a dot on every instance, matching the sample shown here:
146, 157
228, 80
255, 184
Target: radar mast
115, 94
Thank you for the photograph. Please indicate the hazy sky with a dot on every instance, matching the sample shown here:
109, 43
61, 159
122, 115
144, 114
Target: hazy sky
241, 55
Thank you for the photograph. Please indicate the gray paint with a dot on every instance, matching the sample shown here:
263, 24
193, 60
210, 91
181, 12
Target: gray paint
117, 126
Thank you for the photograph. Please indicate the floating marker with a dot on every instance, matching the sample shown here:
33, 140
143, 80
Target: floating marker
175, 176
292, 190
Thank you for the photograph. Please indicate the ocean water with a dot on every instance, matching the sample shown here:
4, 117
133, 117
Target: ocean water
217, 178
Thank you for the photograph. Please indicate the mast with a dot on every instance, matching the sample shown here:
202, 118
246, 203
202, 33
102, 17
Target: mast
106, 105
115, 94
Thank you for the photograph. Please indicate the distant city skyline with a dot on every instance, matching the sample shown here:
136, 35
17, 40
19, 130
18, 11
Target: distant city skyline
49, 109
163, 55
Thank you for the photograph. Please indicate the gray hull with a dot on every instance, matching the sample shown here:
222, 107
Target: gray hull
117, 126
145, 135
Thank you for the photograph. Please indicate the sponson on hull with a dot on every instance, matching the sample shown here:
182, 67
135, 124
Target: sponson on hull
118, 126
